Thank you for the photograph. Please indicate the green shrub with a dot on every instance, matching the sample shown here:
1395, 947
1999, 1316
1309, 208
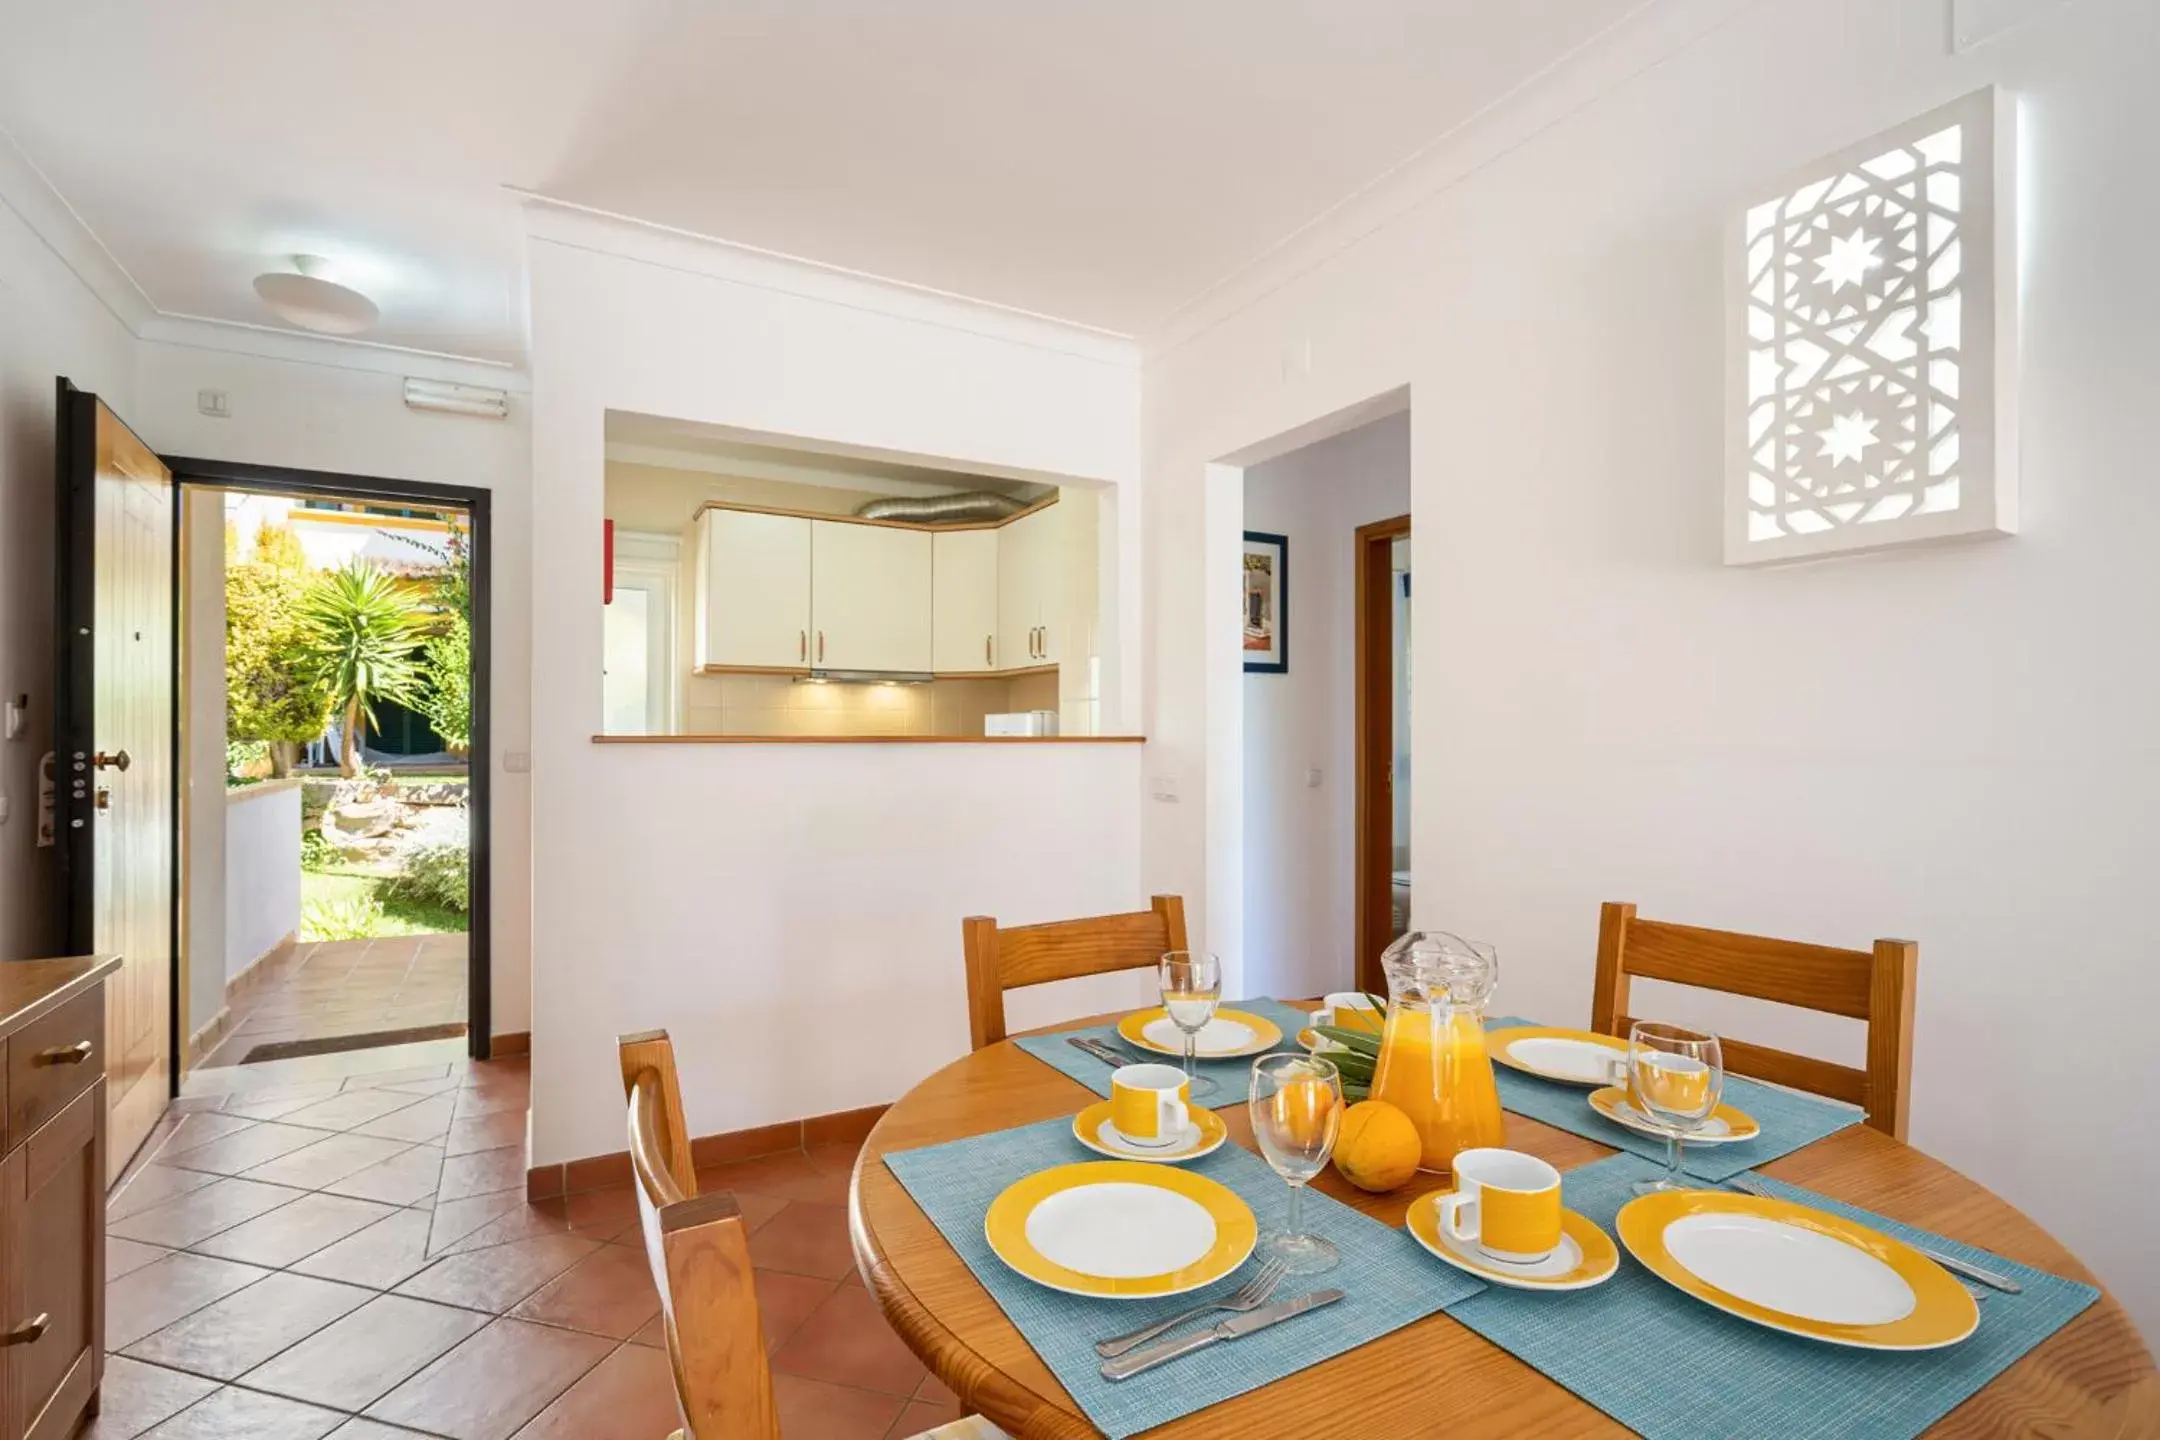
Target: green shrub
269, 693
351, 917
437, 875
246, 760
316, 851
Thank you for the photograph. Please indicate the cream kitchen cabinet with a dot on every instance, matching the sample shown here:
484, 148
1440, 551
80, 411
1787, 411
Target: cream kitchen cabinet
870, 597
964, 601
754, 589
1031, 620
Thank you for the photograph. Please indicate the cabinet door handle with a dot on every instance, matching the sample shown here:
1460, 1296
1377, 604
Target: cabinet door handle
63, 1054
802, 644
29, 1332
821, 645
986, 650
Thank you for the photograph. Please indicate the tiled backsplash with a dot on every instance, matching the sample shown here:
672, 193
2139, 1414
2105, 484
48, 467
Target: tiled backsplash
779, 705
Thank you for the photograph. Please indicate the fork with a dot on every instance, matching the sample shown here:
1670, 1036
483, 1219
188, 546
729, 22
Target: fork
1963, 1269
1250, 1296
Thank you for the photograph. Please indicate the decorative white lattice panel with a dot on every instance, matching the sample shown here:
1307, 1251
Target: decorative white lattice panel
1873, 305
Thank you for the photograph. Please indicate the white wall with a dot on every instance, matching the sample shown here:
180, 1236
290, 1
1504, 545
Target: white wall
202, 537
1952, 744
262, 872
50, 324
1301, 842
342, 409
731, 892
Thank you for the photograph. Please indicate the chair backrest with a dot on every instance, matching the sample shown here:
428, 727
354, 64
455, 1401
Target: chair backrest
1876, 986
700, 1254
1007, 959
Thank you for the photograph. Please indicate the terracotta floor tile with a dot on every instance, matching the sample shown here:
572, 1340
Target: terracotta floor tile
602, 1214
456, 1219
542, 1217
277, 1101
361, 1428
260, 1142
125, 1257
156, 1295
628, 1396
812, 1410
293, 1232
488, 1387
447, 1086
200, 1127
483, 1172
327, 1161
610, 1292
792, 1176
428, 1120
230, 1413
381, 1256
652, 1333
404, 1179
153, 1185
367, 1354
230, 1337
921, 1415
936, 1392
496, 1278
405, 1076
472, 1103
846, 1341
200, 1214
805, 1239
757, 1206
785, 1301
353, 1107
486, 1132
136, 1396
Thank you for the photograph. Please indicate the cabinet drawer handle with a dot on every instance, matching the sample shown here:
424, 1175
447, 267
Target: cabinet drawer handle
64, 1054
27, 1333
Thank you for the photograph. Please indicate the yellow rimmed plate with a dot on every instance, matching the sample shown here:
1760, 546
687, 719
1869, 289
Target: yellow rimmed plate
1805, 1272
1092, 1128
1726, 1125
1550, 1052
1227, 1035
1120, 1230
1586, 1255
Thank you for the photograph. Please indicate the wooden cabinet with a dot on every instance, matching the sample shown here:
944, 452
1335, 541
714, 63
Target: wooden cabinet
964, 601
52, 1250
754, 583
869, 597
1029, 566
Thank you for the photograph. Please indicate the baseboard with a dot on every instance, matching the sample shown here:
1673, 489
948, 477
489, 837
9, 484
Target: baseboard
603, 1172
504, 1047
207, 1039
251, 977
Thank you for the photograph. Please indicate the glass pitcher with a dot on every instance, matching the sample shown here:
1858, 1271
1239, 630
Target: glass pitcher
1433, 1065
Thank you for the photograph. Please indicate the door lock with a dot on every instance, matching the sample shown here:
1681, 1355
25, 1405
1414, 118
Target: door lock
118, 760
104, 798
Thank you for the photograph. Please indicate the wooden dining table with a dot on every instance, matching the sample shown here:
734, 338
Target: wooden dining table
2093, 1377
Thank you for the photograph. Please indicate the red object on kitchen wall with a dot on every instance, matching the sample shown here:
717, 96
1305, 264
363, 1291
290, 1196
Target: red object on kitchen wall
607, 562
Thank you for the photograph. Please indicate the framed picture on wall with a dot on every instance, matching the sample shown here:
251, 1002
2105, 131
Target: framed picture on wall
1267, 603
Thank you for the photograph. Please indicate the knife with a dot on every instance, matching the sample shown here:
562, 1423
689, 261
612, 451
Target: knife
1089, 1047
1147, 1357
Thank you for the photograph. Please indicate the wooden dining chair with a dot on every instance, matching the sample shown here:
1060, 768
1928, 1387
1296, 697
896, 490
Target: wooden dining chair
1876, 986
1005, 959
699, 1249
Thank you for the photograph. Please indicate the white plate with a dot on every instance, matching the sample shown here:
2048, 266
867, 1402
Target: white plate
1789, 1269
1120, 1231
1576, 1062
1217, 1037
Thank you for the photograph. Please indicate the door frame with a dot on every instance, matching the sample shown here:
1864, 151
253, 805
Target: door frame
474, 501
1374, 727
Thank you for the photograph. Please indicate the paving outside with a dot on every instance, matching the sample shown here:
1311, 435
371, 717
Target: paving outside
340, 1246
349, 987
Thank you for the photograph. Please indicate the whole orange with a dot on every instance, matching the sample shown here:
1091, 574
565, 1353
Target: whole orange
1377, 1148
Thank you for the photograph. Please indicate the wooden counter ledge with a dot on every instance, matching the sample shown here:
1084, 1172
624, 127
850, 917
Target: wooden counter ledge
30, 989
869, 739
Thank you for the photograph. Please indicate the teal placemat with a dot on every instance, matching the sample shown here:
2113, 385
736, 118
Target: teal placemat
1233, 1077
1789, 1120
1390, 1280
1672, 1368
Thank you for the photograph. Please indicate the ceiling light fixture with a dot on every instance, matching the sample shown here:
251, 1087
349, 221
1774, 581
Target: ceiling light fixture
452, 399
313, 302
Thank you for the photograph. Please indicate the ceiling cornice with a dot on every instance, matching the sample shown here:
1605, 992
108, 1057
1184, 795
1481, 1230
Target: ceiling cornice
25, 190
1632, 45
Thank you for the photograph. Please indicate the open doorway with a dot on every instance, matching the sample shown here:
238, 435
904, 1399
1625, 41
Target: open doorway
332, 820
1383, 742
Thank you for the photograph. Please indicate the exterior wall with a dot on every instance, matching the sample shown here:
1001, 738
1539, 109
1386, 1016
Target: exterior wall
262, 871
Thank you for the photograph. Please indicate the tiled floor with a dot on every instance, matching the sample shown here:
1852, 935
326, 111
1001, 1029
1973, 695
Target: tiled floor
350, 987
329, 1247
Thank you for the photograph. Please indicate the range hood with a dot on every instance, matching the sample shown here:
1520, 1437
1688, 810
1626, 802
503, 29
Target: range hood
867, 677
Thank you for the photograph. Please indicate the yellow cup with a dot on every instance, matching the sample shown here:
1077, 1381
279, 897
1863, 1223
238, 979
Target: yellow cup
1506, 1203
1149, 1105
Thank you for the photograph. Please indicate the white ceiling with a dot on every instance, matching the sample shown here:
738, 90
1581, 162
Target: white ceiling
1100, 162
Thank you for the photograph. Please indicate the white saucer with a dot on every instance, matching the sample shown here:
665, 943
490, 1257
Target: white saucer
1092, 1128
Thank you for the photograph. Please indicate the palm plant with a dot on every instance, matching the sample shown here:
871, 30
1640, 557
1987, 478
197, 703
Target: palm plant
359, 636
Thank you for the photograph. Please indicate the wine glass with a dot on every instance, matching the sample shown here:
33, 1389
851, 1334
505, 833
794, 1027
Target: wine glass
1191, 984
1675, 1079
1297, 1105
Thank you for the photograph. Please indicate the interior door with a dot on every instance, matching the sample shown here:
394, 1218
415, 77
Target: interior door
113, 745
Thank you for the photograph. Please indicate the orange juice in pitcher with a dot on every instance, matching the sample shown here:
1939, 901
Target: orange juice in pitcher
1433, 1064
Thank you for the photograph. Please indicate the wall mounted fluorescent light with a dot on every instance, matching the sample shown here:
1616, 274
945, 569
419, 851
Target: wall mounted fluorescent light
867, 677
449, 399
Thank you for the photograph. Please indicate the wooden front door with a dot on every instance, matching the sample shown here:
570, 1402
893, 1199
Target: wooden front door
113, 746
